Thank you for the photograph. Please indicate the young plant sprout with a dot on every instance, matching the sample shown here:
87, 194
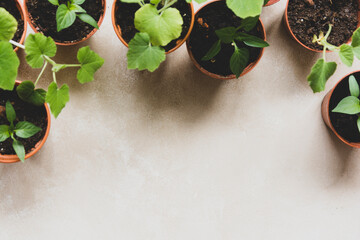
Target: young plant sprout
323, 70
158, 24
351, 104
22, 129
39, 51
235, 36
66, 14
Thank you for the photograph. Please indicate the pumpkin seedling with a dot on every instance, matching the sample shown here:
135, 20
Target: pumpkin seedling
22, 129
66, 14
237, 37
323, 70
39, 51
351, 104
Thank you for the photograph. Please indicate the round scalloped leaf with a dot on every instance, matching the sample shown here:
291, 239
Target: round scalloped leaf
8, 25
245, 8
90, 63
36, 46
9, 64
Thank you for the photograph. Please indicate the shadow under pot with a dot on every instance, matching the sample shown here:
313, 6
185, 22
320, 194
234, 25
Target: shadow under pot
211, 17
37, 115
305, 18
343, 125
41, 16
15, 8
271, 2
123, 15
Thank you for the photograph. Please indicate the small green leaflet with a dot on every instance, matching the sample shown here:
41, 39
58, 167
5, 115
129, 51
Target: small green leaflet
162, 28
57, 98
9, 64
214, 50
245, 8
142, 55
10, 112
8, 25
252, 41
239, 60
349, 105
356, 43
90, 63
36, 46
26, 91
353, 86
88, 19
64, 17
26, 129
227, 34
346, 55
19, 149
76, 8
4, 132
249, 23
320, 73
54, 2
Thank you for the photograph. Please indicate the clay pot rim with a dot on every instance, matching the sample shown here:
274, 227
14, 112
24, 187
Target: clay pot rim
117, 28
38, 145
23, 16
297, 40
232, 76
101, 19
351, 144
271, 2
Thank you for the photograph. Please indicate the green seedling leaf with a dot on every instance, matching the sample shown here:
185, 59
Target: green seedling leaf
64, 17
78, 1
9, 65
4, 132
346, 55
37, 46
239, 61
245, 8
349, 105
88, 19
354, 86
162, 28
358, 124
356, 43
249, 23
10, 112
131, 1
8, 25
26, 129
226, 35
76, 8
54, 2
252, 41
320, 73
90, 63
57, 98
214, 50
142, 55
19, 149
26, 91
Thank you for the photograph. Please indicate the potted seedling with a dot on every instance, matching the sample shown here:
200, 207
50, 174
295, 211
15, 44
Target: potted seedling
14, 8
223, 45
152, 29
341, 110
68, 22
306, 18
26, 95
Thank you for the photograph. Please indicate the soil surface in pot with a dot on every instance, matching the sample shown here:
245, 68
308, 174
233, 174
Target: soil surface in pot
213, 17
24, 112
43, 15
306, 20
11, 7
125, 14
344, 124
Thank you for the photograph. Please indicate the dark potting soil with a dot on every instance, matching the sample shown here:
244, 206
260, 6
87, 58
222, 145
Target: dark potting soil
306, 20
11, 7
213, 17
125, 14
43, 15
24, 112
344, 124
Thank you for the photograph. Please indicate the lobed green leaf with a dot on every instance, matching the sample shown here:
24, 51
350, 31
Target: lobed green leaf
346, 55
320, 73
26, 92
8, 25
57, 98
9, 65
37, 46
90, 63
245, 8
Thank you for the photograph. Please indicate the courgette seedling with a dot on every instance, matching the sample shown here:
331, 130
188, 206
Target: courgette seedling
236, 36
323, 70
22, 129
39, 51
351, 104
66, 14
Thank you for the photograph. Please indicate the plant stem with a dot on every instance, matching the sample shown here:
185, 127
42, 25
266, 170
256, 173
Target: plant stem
54, 77
52, 62
72, 65
167, 5
41, 73
17, 44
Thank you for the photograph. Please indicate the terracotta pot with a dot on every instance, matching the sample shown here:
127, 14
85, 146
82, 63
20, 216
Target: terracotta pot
232, 76
271, 2
288, 28
14, 158
34, 27
117, 28
325, 112
22, 13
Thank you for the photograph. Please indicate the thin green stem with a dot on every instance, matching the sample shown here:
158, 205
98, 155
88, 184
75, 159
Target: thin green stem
167, 5
328, 32
324, 53
17, 44
52, 62
41, 73
54, 77
72, 65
